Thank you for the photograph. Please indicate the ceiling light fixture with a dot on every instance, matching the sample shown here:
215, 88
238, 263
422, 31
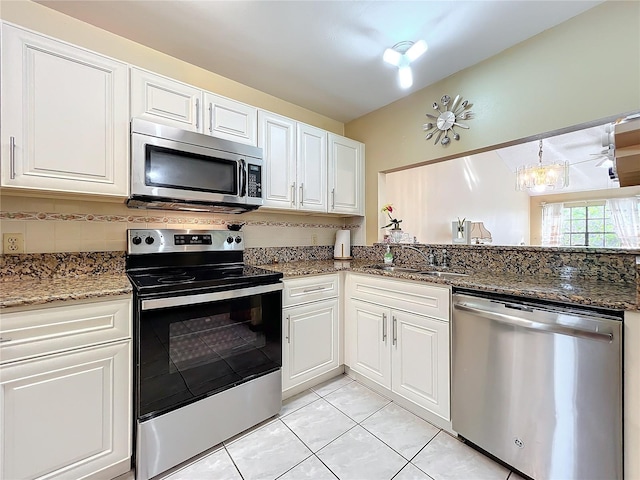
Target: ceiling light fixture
540, 178
401, 55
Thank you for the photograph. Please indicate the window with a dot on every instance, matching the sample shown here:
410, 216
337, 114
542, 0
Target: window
589, 225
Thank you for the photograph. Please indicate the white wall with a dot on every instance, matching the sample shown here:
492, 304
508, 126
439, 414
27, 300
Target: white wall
583, 70
429, 198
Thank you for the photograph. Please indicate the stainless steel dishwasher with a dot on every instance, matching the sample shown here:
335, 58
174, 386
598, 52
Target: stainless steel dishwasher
538, 386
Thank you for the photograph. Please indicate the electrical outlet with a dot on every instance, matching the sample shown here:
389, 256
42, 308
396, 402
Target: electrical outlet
13, 243
314, 239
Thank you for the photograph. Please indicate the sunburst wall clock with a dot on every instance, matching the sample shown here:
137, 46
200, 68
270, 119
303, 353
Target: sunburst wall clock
450, 114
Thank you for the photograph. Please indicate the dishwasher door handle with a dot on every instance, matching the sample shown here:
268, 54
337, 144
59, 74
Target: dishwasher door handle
533, 325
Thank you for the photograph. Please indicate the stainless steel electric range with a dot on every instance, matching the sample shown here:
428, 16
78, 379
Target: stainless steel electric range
207, 343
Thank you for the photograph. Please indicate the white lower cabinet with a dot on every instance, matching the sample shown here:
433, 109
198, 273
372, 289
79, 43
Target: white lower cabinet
67, 414
398, 337
420, 361
311, 329
368, 341
311, 341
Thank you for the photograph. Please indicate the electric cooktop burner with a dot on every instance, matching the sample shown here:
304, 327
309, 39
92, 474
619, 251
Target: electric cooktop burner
176, 279
187, 260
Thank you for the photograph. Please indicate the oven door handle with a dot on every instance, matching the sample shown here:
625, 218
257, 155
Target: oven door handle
157, 303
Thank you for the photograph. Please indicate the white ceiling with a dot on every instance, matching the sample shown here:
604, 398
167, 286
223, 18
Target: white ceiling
325, 55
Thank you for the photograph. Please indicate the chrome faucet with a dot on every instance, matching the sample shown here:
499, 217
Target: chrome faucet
429, 258
445, 259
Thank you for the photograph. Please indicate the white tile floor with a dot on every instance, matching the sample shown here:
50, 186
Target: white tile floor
341, 429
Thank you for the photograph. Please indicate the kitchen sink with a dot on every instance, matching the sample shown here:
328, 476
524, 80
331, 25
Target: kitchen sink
434, 273
393, 268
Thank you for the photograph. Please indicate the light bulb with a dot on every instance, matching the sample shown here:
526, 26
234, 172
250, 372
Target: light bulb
392, 56
416, 50
405, 76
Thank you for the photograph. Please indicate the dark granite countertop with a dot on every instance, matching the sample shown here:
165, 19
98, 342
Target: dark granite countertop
23, 292
603, 294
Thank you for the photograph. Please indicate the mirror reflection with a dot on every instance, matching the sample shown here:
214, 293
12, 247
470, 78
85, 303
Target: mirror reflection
506, 189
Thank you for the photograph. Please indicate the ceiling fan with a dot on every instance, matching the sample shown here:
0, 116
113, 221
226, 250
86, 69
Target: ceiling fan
401, 55
605, 156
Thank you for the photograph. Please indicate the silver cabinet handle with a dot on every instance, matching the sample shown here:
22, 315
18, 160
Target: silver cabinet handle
197, 114
288, 328
395, 331
5, 339
12, 157
210, 117
384, 327
293, 193
333, 198
314, 289
301, 194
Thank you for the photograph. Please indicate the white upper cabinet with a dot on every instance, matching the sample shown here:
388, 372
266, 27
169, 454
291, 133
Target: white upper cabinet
230, 120
311, 173
163, 100
295, 158
345, 175
170, 102
64, 117
277, 138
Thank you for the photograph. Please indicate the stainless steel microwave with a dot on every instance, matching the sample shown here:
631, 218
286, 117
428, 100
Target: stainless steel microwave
174, 169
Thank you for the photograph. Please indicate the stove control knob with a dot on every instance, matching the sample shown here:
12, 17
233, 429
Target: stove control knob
229, 239
136, 240
238, 239
148, 240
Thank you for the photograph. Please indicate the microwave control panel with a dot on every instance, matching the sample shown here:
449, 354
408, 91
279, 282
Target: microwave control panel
254, 181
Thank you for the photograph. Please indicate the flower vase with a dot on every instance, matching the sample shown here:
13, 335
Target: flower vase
396, 235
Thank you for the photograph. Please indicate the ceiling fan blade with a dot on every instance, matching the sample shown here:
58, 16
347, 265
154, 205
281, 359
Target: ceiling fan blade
392, 57
416, 50
606, 162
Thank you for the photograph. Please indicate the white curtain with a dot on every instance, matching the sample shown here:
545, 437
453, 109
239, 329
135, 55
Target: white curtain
626, 220
552, 224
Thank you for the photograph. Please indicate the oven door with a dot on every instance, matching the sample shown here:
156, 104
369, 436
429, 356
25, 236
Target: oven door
192, 346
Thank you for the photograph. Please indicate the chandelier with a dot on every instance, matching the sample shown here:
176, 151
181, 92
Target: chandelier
540, 178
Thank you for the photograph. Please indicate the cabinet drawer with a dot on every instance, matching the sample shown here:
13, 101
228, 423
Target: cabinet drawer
53, 329
408, 296
310, 289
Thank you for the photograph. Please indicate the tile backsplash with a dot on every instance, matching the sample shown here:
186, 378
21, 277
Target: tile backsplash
568, 262
53, 225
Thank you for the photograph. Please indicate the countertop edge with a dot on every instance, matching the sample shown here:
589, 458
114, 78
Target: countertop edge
291, 270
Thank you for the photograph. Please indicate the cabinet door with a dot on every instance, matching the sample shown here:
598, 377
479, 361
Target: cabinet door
368, 341
64, 117
163, 100
231, 120
277, 138
345, 175
420, 359
311, 341
311, 171
66, 415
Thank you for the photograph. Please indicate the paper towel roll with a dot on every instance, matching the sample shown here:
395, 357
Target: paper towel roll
343, 244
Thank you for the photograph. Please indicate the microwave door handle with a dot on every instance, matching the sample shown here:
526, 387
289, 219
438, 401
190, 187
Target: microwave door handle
243, 178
